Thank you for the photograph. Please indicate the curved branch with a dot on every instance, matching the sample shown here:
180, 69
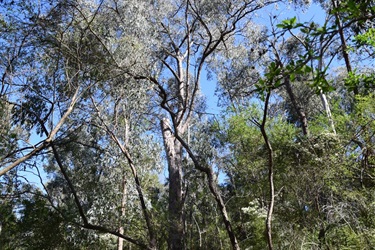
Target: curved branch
48, 140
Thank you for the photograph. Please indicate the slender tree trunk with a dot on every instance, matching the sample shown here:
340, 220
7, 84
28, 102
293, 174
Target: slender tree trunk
213, 187
199, 232
173, 149
270, 175
344, 46
120, 242
212, 184
125, 152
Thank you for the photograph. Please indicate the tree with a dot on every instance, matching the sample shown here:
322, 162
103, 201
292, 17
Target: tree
87, 51
197, 28
102, 95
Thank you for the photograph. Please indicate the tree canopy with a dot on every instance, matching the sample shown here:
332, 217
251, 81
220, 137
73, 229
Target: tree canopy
106, 141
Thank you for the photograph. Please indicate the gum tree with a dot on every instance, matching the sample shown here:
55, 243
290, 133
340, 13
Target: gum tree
179, 37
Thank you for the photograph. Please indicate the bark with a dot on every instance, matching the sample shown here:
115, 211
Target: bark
173, 150
300, 111
328, 111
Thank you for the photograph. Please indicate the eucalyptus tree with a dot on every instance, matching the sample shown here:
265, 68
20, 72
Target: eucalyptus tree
59, 69
40, 99
106, 84
174, 44
206, 27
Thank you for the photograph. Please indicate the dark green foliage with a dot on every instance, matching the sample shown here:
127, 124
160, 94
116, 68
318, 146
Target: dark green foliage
324, 183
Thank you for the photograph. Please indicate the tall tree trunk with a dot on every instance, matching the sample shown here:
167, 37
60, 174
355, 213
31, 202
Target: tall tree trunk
173, 150
120, 242
300, 111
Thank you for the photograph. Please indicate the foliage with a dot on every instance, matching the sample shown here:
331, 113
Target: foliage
105, 135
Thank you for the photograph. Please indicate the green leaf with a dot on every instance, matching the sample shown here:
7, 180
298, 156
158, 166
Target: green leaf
292, 77
307, 69
289, 24
277, 83
305, 30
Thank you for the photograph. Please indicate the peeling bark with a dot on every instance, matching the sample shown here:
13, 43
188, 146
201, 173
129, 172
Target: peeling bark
328, 111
